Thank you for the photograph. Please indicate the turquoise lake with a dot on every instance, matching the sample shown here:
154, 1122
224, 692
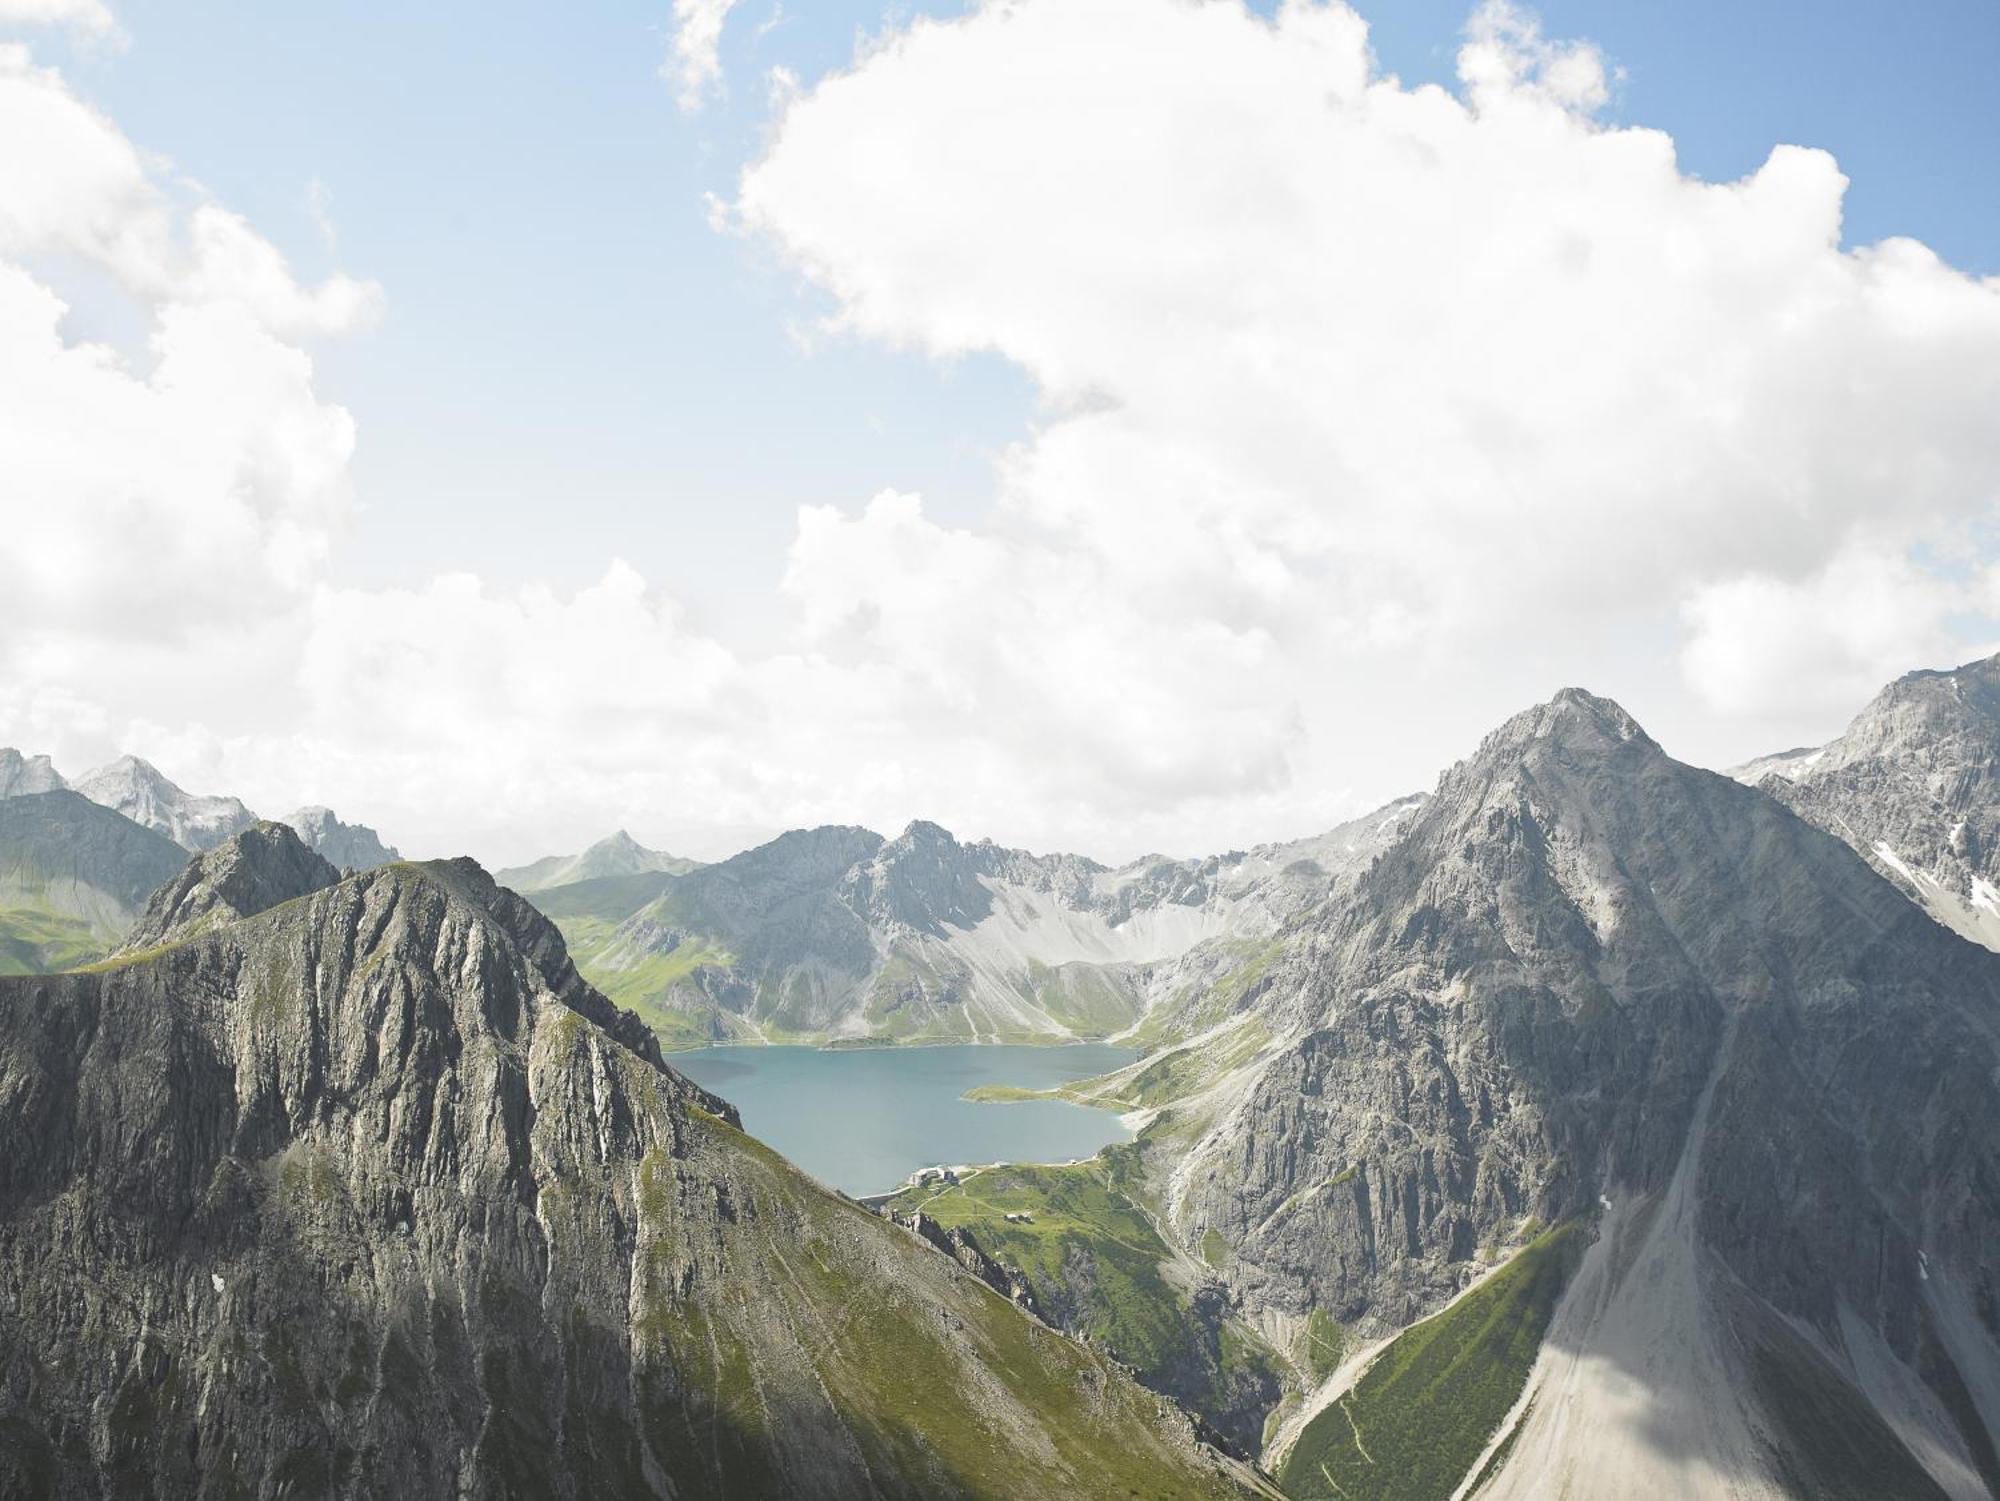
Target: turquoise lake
864, 1119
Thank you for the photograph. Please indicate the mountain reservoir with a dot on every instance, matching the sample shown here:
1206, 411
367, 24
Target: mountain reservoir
863, 1119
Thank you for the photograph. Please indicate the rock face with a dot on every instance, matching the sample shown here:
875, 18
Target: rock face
1591, 982
136, 789
21, 776
260, 868
617, 855
350, 846
73, 876
837, 933
362, 1194
1914, 785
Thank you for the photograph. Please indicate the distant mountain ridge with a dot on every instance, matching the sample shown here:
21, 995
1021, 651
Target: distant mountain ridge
75, 880
1913, 785
617, 854
138, 789
837, 934
350, 846
73, 876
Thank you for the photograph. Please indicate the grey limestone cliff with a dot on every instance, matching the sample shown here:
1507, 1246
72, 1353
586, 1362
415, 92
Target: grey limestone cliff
1913, 784
22, 775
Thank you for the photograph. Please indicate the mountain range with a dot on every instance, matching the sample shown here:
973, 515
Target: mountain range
1616, 1131
1592, 1124
614, 856
78, 860
351, 1186
838, 934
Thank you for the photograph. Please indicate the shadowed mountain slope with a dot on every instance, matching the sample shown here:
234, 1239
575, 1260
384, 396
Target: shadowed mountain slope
353, 1187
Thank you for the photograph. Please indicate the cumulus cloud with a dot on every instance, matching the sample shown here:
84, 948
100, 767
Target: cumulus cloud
1472, 379
198, 483
694, 63
1370, 413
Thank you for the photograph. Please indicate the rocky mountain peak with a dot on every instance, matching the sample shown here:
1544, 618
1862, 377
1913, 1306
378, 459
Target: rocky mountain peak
802, 858
1575, 720
140, 791
23, 776
256, 870
1577, 749
922, 880
351, 846
1926, 718
1913, 784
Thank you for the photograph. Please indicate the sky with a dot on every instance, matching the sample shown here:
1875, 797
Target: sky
1095, 424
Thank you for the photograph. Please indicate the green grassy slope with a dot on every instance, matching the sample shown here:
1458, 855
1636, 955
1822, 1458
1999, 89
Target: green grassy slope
642, 981
1414, 1424
955, 1388
1099, 1268
36, 941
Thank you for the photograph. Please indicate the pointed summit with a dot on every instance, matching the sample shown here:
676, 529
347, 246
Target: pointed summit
139, 790
617, 854
1575, 719
264, 866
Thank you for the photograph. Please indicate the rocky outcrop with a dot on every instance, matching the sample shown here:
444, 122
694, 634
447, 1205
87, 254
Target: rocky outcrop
23, 776
266, 865
1592, 981
358, 1195
959, 1244
349, 846
137, 789
1914, 786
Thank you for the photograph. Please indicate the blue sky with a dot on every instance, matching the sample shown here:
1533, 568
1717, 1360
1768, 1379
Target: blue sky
1215, 439
565, 330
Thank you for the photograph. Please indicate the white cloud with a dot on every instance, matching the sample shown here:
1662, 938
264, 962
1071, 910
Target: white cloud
1371, 413
1475, 381
1761, 645
201, 483
90, 19
694, 63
